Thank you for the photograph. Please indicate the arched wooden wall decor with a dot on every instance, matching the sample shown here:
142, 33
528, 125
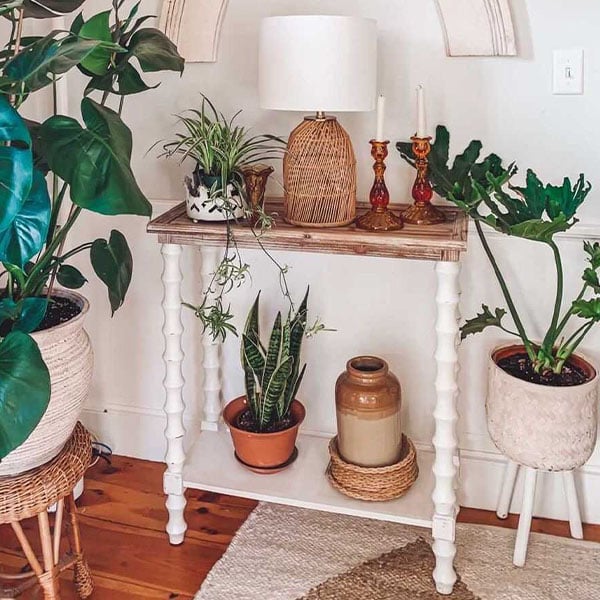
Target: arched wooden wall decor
194, 26
477, 27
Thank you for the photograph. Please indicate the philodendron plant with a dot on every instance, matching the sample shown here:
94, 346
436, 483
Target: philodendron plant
63, 166
537, 211
272, 375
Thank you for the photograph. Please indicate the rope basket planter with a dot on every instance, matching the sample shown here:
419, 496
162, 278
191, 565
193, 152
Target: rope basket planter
67, 351
376, 484
319, 171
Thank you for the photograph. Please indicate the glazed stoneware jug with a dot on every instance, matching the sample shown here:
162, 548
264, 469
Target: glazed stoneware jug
368, 402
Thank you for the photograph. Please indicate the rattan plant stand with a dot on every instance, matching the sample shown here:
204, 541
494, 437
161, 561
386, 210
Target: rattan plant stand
30, 494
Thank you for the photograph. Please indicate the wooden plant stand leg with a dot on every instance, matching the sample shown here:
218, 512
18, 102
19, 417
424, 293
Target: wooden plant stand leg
82, 576
49, 578
573, 504
508, 486
445, 441
173, 384
211, 414
522, 540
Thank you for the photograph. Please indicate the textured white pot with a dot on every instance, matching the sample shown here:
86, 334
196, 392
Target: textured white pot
67, 351
543, 427
198, 208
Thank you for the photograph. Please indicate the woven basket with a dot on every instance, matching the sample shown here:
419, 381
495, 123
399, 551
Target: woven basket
319, 171
67, 351
373, 483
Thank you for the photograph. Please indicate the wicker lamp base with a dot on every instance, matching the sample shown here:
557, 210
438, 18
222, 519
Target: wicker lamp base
373, 483
319, 172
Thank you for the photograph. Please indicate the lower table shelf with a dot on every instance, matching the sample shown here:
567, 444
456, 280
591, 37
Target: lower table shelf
211, 466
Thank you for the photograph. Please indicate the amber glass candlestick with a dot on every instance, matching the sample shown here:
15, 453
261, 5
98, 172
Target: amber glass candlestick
380, 217
422, 212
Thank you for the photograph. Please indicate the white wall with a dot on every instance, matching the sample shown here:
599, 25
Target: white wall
382, 306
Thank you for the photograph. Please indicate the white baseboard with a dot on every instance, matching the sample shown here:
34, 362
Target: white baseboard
131, 431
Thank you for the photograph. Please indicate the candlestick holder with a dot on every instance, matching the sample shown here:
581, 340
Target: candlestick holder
379, 217
422, 212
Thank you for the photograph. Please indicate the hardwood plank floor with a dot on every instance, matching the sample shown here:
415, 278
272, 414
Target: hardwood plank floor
122, 525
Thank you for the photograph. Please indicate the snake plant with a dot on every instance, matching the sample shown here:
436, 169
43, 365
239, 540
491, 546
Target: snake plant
537, 211
273, 374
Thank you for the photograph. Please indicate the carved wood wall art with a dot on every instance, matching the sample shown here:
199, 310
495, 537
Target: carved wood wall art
477, 27
194, 26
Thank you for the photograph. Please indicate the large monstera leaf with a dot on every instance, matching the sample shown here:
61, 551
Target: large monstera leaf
24, 390
16, 165
95, 161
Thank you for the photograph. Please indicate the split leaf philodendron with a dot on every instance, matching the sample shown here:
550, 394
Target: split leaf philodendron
537, 211
89, 167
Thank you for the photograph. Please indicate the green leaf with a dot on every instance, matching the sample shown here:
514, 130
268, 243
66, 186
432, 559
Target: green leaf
591, 278
155, 51
273, 353
32, 312
274, 390
95, 161
587, 309
27, 233
70, 277
113, 263
483, 320
9, 311
97, 29
24, 390
593, 252
46, 9
33, 67
253, 355
16, 169
539, 230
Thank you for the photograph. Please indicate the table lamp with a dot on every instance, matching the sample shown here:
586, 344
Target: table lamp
318, 64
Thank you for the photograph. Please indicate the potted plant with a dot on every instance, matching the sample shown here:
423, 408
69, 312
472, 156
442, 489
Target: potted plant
264, 423
221, 150
45, 355
542, 395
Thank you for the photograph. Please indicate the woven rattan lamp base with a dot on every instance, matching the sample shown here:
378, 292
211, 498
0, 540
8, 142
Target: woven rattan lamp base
319, 172
373, 483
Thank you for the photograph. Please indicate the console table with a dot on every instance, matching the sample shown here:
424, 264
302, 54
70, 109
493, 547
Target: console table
210, 464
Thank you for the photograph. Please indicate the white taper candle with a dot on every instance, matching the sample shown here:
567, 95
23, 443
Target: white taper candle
380, 118
421, 119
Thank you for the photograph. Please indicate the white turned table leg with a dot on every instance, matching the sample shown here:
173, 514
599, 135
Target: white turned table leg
573, 504
173, 384
508, 487
445, 441
522, 540
210, 349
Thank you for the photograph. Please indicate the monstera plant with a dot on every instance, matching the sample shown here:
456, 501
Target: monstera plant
53, 169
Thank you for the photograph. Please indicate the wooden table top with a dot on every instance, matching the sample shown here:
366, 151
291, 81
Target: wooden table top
441, 242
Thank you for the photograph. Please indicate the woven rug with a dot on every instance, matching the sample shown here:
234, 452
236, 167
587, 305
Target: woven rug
287, 553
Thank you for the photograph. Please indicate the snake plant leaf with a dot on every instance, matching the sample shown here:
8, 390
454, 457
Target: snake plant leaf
95, 161
26, 235
46, 9
254, 356
251, 379
155, 51
587, 309
31, 313
286, 400
70, 277
32, 68
24, 389
592, 249
113, 263
252, 327
274, 390
483, 320
273, 352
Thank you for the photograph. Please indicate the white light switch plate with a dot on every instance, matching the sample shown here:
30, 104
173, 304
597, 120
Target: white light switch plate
568, 71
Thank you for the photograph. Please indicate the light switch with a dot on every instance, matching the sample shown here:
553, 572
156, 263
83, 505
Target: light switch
568, 71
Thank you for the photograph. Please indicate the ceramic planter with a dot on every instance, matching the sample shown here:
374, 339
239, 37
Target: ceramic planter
67, 351
199, 208
262, 450
539, 426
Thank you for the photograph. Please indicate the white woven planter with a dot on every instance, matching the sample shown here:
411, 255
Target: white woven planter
543, 427
67, 351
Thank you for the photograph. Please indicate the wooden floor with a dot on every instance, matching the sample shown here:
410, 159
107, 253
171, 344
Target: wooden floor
122, 519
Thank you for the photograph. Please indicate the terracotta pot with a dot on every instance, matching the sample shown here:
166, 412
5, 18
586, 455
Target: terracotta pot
540, 426
368, 402
67, 351
262, 450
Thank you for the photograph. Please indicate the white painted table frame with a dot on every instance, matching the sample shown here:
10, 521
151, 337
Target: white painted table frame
445, 464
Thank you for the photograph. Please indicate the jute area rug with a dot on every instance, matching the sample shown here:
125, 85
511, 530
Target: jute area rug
286, 553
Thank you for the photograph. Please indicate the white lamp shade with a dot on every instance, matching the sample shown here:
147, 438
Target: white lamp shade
318, 63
